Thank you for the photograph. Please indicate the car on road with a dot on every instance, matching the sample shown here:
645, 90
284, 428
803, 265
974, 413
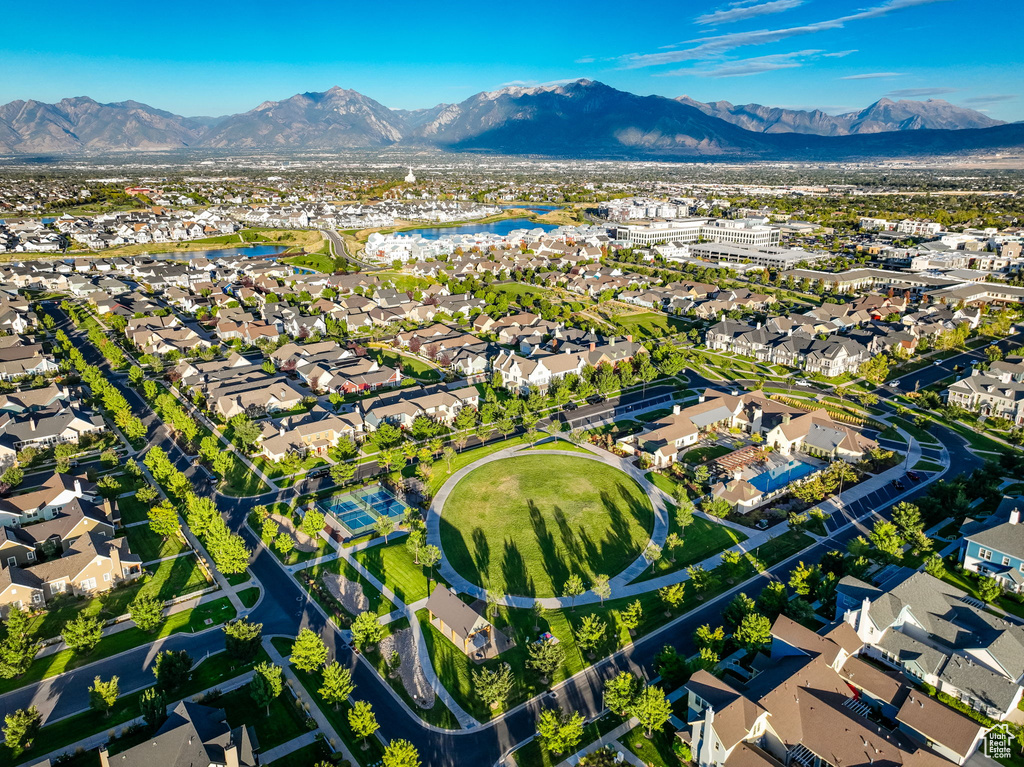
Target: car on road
570, 406
914, 476
595, 399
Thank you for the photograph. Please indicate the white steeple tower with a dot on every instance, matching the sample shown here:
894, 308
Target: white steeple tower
411, 178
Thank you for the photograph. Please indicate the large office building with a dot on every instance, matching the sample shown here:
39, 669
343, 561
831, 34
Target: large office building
740, 232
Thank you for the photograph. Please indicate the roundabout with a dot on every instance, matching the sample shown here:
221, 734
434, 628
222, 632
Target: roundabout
523, 524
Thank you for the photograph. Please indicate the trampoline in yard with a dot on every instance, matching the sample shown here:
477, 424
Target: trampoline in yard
359, 509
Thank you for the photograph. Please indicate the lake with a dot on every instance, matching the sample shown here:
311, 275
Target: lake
500, 228
533, 207
252, 250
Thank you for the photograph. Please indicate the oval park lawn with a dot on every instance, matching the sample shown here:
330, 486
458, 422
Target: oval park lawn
523, 525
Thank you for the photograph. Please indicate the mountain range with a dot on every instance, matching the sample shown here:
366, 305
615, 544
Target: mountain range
582, 118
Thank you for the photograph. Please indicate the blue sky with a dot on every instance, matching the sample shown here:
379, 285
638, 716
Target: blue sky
219, 58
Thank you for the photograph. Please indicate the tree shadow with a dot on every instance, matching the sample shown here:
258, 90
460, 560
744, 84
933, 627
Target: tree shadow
553, 562
572, 546
481, 553
513, 569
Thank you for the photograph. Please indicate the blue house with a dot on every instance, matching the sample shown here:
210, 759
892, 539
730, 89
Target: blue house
994, 547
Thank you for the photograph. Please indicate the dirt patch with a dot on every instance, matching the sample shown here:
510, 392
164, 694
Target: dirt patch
303, 542
410, 670
349, 593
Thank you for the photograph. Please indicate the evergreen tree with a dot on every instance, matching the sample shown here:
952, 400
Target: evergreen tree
82, 634
494, 686
172, 669
146, 611
153, 706
20, 729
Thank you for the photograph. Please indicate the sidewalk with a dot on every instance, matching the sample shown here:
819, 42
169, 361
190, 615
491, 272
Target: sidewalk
323, 724
308, 739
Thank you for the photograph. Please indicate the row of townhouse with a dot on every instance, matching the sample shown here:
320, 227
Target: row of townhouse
995, 393
60, 539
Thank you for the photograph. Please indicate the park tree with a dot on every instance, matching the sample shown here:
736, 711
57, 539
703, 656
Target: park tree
384, 526
651, 709
309, 651
312, 522
430, 555
366, 630
573, 588
400, 753
672, 542
363, 721
602, 588
146, 611
590, 633
20, 729
907, 518
717, 507
242, 639
620, 691
284, 544
82, 634
266, 684
172, 669
337, 685
153, 706
545, 658
494, 685
103, 695
631, 616
559, 731
231, 555
652, 553
672, 596
754, 632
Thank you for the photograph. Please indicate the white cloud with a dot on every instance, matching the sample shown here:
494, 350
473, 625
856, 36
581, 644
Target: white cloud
708, 47
872, 75
840, 54
753, 66
585, 60
746, 10
916, 93
991, 99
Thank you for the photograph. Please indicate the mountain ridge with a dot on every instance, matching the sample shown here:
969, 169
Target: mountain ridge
578, 118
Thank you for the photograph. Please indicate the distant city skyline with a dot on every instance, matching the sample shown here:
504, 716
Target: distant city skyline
835, 55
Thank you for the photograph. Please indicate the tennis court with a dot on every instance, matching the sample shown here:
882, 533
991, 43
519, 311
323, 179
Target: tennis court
359, 509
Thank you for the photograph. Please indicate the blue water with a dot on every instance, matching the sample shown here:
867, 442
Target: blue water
533, 207
252, 250
500, 228
773, 479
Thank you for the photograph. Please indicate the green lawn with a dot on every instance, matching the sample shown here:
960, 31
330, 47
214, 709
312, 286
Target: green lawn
394, 565
294, 556
650, 325
320, 262
926, 465
132, 510
217, 611
701, 539
315, 753
404, 281
661, 481
150, 546
523, 525
657, 750
706, 453
250, 596
559, 444
284, 721
464, 458
532, 754
242, 481
209, 672
913, 430
409, 365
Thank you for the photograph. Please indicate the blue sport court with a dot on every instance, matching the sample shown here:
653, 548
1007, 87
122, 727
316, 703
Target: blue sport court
359, 509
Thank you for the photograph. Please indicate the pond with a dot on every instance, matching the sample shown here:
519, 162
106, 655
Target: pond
499, 228
254, 251
533, 207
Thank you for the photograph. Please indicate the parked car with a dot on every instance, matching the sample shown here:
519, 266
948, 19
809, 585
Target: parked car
914, 475
317, 473
570, 406
897, 484
595, 399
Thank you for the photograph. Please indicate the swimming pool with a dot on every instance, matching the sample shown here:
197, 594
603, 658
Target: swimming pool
780, 476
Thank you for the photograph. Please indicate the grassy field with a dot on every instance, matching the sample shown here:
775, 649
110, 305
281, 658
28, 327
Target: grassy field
132, 510
401, 281
559, 444
657, 750
150, 546
464, 458
926, 465
913, 430
701, 539
409, 365
650, 325
525, 524
315, 753
395, 567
